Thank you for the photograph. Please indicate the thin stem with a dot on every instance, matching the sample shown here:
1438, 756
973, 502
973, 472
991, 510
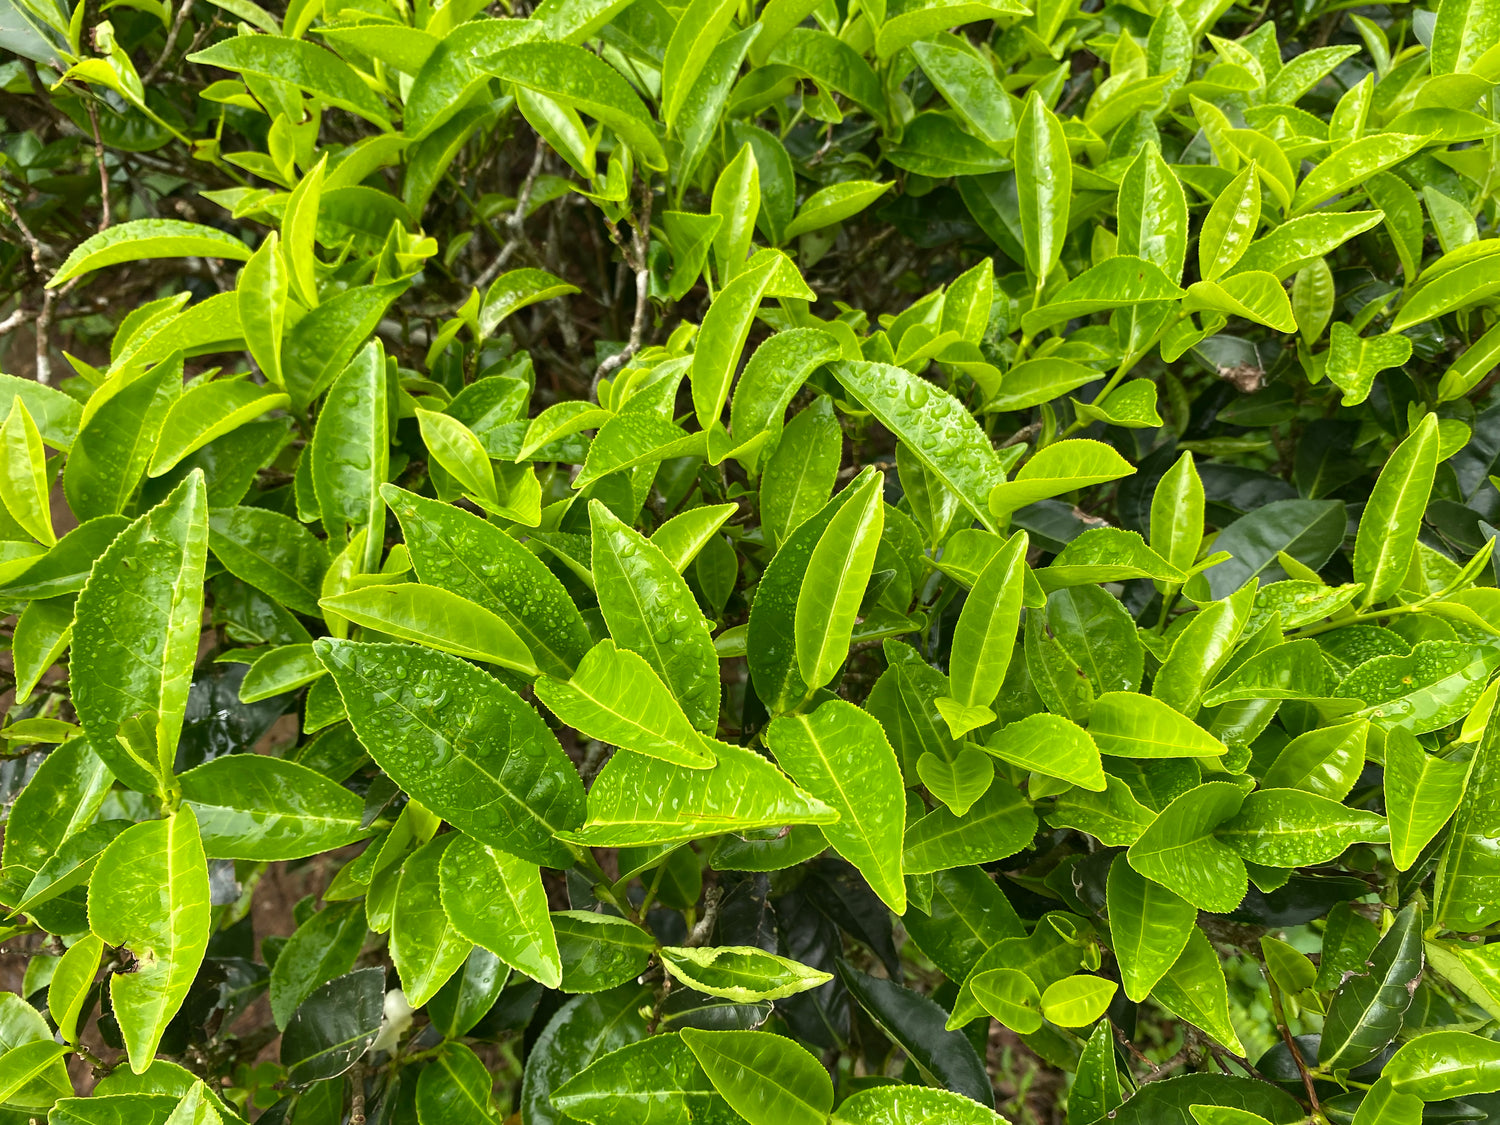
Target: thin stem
704, 928
166, 51
515, 222
1168, 599
1369, 615
602, 887
1114, 381
43, 332
104, 207
650, 897
636, 258
1291, 1044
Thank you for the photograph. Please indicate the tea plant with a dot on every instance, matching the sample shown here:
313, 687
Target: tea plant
868, 563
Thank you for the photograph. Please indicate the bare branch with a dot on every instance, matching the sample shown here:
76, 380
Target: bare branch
104, 207
166, 51
15, 320
43, 327
517, 219
637, 258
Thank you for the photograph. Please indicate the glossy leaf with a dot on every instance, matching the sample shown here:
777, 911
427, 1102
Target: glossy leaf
496, 901
1294, 828
1421, 794
461, 743
299, 63
614, 696
1195, 990
436, 618
1326, 761
570, 75
349, 450
1348, 166
943, 1057
933, 424
1044, 181
426, 947
1114, 283
765, 1079
586, 1028
1063, 467
1149, 927
322, 948
42, 633
148, 238
464, 555
454, 1086
772, 376
1153, 214
253, 806
698, 31
1180, 851
1254, 295
1307, 530
802, 469
834, 585
638, 800
650, 611
1137, 726
1230, 224
985, 637
1444, 1064
1366, 1011
333, 1027
149, 894
599, 951
1077, 1001
71, 980
1433, 685
113, 447
1199, 651
840, 755
740, 973
25, 480
1388, 528
654, 1082
134, 667
206, 412
1354, 361
1051, 745
999, 824
274, 554
261, 293
683, 536
1468, 874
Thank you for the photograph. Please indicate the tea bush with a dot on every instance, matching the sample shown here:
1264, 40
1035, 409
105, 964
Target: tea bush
636, 563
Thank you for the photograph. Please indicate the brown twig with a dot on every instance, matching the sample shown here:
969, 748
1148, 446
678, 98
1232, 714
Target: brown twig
357, 1102
15, 320
166, 51
1291, 1045
104, 207
1154, 1070
1024, 434
553, 257
44, 318
516, 221
594, 760
704, 928
34, 247
636, 257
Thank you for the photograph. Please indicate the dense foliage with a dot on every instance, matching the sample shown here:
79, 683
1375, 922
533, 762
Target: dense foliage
636, 563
